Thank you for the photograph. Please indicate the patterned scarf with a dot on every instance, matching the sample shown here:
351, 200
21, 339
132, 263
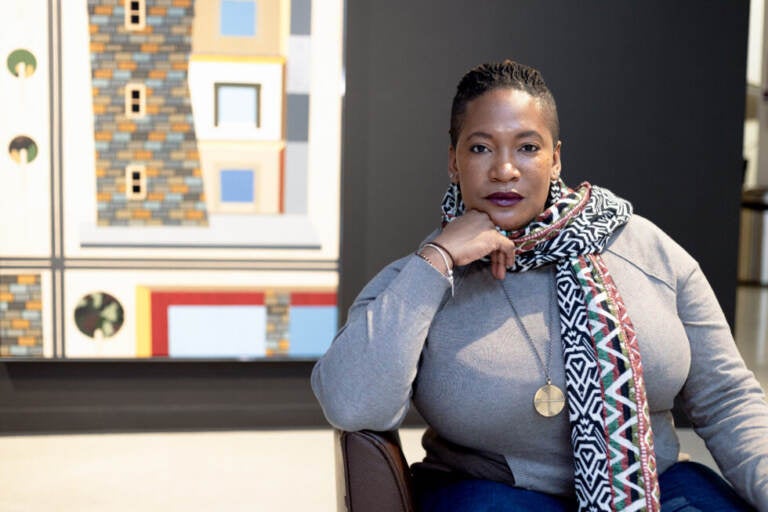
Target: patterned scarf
615, 463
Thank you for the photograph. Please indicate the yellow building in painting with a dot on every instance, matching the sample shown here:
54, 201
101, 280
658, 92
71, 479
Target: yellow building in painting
237, 78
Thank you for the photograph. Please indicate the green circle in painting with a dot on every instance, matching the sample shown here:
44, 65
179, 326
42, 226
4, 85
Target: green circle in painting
99, 315
22, 149
21, 63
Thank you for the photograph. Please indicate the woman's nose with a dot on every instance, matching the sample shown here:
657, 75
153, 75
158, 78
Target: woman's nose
506, 171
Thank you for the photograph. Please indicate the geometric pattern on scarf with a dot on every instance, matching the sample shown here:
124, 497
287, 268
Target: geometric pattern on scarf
611, 436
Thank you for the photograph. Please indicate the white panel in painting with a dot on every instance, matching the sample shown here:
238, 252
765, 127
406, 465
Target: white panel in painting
217, 331
324, 159
79, 166
25, 218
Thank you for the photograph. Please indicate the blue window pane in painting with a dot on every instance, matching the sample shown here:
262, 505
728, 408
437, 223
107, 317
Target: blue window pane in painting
238, 18
237, 105
237, 186
312, 329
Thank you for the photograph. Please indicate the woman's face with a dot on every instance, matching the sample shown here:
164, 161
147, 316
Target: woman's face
505, 157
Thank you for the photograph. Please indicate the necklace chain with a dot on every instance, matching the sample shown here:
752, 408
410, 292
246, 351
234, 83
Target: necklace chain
528, 337
549, 399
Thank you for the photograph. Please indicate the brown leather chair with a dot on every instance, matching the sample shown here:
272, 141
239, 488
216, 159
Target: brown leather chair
372, 474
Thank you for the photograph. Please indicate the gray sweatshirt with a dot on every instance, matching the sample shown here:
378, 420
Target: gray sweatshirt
468, 368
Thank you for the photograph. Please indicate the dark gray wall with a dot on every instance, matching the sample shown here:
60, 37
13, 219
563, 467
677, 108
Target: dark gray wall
78, 396
651, 102
651, 98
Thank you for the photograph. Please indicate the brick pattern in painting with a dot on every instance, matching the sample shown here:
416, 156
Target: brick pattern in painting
21, 319
163, 140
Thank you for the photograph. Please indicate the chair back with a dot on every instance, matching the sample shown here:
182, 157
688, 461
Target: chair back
372, 474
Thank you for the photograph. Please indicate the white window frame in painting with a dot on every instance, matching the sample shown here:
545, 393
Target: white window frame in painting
130, 181
141, 13
268, 72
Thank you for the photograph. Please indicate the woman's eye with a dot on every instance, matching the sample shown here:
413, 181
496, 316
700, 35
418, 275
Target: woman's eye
529, 148
478, 148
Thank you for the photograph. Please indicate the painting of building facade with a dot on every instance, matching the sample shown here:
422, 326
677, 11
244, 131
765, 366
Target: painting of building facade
186, 157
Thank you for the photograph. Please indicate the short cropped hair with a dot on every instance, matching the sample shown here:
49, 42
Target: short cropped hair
502, 75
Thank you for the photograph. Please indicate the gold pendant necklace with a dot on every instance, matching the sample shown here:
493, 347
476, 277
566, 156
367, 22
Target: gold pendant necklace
549, 399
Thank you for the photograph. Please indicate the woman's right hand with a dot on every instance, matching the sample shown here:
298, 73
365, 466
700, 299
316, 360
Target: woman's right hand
473, 236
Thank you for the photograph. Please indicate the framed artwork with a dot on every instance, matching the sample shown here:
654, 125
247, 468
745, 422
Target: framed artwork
170, 179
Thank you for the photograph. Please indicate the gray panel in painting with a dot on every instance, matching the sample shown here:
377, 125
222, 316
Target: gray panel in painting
296, 160
301, 15
298, 118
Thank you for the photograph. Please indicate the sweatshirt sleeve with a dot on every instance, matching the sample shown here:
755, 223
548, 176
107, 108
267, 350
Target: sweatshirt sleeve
364, 380
721, 396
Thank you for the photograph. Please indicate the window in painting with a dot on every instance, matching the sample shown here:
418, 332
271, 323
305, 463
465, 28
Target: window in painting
99, 315
238, 18
22, 63
135, 100
22, 149
136, 182
135, 14
237, 186
237, 105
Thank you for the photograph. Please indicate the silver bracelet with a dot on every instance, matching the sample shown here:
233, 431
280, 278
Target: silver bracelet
442, 254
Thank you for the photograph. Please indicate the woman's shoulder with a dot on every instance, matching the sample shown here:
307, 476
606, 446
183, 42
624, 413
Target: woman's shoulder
643, 244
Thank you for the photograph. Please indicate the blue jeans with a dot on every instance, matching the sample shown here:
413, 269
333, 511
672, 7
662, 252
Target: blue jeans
685, 487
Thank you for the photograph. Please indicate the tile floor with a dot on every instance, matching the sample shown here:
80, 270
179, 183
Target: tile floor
233, 471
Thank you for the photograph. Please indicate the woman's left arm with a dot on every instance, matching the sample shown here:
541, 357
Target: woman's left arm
721, 396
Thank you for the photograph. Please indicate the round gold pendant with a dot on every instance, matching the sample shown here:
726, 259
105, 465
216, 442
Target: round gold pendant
549, 400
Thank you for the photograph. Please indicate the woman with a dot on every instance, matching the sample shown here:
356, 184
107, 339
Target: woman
543, 334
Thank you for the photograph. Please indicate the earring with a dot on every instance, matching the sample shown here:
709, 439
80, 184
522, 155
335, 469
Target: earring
555, 191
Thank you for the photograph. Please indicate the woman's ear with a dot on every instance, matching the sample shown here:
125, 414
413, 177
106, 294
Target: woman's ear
453, 170
556, 165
